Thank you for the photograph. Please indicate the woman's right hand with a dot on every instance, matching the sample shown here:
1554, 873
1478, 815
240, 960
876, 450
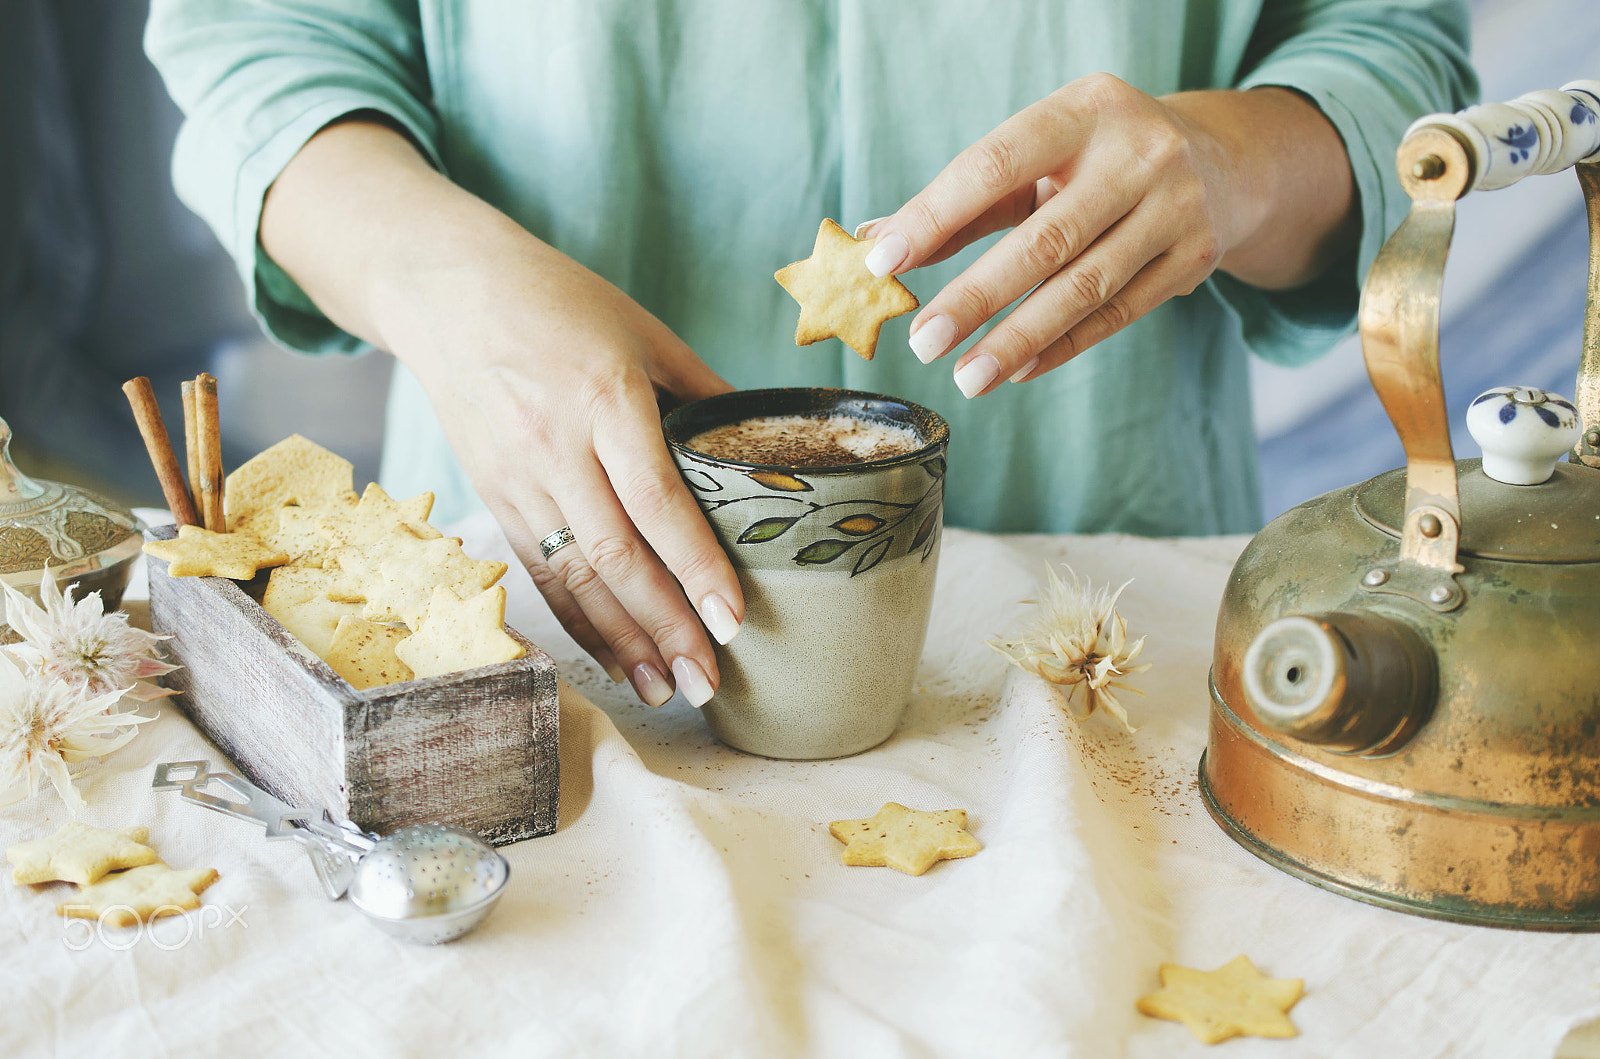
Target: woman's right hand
545, 378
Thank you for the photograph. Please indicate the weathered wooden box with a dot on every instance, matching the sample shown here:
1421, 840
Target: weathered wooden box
477, 749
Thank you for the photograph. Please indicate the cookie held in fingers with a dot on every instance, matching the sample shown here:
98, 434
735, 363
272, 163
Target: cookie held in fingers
198, 552
839, 296
1235, 1000
139, 894
907, 840
79, 854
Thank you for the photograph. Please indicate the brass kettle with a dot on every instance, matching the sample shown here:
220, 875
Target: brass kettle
1405, 689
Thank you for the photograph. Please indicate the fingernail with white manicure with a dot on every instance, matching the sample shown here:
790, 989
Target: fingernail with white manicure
977, 373
650, 684
864, 225
691, 681
934, 338
613, 670
1023, 374
887, 254
719, 619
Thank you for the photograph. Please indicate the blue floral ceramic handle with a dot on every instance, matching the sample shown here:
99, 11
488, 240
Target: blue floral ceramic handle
1541, 132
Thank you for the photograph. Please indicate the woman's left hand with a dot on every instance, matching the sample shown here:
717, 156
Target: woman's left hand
1117, 201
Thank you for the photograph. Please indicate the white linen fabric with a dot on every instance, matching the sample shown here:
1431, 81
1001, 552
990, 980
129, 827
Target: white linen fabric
693, 903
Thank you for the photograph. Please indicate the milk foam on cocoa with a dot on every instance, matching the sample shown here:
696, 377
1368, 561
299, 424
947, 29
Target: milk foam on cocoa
806, 441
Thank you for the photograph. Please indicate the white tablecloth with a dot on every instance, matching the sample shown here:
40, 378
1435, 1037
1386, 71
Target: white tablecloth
693, 902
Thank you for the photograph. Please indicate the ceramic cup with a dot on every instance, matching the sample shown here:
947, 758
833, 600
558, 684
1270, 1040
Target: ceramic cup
837, 567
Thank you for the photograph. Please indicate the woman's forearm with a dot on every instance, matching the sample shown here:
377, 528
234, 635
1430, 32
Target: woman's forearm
1294, 198
366, 227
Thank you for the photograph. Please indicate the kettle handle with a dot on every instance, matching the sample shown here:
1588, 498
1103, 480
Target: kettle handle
1535, 134
1442, 158
1587, 394
1399, 321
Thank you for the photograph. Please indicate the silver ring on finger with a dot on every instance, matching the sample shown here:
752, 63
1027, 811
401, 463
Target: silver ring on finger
556, 541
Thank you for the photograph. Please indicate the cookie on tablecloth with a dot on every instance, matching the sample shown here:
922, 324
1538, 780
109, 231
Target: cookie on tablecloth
139, 894
1235, 1000
907, 840
80, 854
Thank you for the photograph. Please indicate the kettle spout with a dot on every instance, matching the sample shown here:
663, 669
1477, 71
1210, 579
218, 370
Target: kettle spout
1349, 681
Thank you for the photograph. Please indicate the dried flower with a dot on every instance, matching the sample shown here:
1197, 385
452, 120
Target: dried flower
1078, 639
83, 647
47, 725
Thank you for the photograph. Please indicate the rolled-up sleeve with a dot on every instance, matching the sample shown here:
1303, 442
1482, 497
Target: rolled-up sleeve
1373, 67
255, 81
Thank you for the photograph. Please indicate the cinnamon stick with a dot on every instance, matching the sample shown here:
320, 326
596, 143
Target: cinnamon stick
148, 415
191, 437
209, 496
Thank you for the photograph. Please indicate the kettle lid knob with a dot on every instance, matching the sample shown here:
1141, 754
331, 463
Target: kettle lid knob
1523, 431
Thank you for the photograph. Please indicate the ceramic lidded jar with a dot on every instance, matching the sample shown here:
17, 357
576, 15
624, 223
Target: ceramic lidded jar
84, 539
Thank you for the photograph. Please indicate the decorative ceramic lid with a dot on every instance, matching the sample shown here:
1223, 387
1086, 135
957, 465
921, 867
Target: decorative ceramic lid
71, 530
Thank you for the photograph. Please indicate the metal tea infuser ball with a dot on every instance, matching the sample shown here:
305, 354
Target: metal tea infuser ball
424, 883
1405, 693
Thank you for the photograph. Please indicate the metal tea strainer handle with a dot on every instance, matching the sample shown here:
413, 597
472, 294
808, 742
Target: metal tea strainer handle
334, 848
425, 883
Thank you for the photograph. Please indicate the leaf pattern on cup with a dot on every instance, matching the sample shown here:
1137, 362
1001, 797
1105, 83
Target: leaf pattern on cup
787, 483
862, 525
766, 529
872, 556
868, 529
876, 536
825, 551
699, 480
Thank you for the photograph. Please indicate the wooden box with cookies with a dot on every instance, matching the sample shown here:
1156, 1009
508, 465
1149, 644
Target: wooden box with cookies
345, 654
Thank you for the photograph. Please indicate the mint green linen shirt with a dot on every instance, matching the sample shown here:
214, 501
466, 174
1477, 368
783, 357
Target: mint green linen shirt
684, 150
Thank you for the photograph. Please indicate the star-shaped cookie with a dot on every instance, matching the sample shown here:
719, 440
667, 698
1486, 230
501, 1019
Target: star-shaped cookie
839, 296
362, 652
907, 840
397, 574
374, 517
308, 533
294, 471
298, 530
377, 513
200, 553
138, 894
79, 854
460, 634
298, 597
1235, 1000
